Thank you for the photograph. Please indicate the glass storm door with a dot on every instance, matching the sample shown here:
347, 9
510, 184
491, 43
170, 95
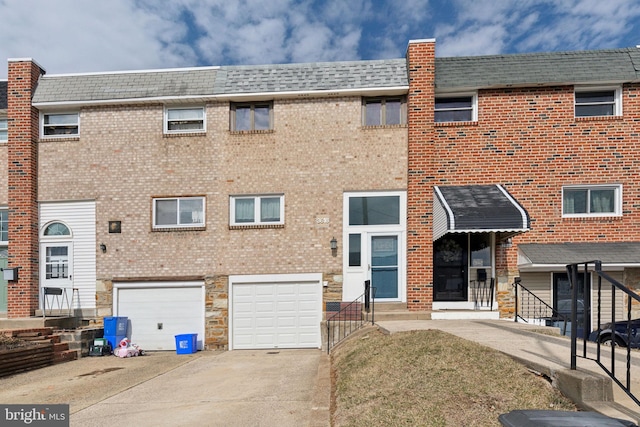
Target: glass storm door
57, 266
384, 262
450, 268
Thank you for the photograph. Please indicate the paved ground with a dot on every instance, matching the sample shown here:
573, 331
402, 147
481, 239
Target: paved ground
238, 388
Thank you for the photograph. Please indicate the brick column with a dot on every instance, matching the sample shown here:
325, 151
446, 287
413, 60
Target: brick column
22, 295
421, 69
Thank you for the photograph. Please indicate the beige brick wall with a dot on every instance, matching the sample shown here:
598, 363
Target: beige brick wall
316, 151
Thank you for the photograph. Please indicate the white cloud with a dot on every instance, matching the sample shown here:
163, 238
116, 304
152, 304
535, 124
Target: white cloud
79, 35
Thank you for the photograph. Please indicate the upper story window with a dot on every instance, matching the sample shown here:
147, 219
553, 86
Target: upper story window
594, 102
252, 116
179, 120
178, 212
257, 210
384, 111
4, 130
60, 124
591, 200
4, 226
456, 108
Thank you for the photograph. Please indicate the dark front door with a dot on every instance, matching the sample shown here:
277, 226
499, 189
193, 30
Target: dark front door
450, 268
562, 294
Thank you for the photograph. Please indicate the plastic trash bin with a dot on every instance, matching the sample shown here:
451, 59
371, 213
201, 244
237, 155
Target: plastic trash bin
186, 343
543, 418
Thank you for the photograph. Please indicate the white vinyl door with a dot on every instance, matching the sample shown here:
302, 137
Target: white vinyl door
281, 311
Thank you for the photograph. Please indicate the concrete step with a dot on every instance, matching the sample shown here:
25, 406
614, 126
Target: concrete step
380, 316
465, 315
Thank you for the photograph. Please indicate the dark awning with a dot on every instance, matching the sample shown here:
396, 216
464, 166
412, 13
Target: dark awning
476, 209
546, 256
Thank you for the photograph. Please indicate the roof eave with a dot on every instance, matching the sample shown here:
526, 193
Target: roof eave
233, 97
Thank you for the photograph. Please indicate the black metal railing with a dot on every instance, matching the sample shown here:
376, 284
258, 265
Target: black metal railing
529, 308
349, 316
482, 293
618, 331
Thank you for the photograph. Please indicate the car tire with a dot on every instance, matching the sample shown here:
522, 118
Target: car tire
606, 340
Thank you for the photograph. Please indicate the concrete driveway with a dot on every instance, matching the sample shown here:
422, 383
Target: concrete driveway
237, 388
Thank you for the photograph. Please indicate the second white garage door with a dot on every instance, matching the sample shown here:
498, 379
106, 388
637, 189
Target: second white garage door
158, 311
276, 311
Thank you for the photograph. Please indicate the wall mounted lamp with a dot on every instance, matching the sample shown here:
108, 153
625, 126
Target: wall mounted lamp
103, 248
334, 244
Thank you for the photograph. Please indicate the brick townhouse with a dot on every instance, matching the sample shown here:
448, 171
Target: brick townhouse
236, 201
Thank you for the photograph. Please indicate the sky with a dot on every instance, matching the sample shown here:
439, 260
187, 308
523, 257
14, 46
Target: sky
80, 36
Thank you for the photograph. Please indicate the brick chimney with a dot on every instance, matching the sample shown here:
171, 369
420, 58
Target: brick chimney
23, 294
420, 106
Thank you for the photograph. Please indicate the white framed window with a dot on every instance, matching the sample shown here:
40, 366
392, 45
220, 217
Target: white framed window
184, 120
4, 227
601, 101
252, 116
257, 210
456, 108
381, 111
4, 129
178, 212
591, 200
59, 124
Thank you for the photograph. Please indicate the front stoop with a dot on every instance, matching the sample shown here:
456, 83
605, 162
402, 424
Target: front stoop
386, 311
465, 315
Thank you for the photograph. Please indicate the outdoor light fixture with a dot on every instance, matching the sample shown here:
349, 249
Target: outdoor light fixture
334, 244
103, 248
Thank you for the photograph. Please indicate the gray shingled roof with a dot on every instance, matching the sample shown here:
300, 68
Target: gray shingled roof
312, 77
222, 81
121, 86
569, 253
461, 73
3, 95
596, 66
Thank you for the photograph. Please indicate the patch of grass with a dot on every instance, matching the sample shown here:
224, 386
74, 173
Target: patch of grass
431, 378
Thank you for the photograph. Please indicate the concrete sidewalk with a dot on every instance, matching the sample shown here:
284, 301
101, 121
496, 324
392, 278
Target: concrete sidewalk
549, 355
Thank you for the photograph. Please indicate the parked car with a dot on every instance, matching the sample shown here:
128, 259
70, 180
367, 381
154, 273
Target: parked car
617, 332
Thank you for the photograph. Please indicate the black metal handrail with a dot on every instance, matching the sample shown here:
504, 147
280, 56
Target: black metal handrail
351, 316
530, 308
482, 292
622, 326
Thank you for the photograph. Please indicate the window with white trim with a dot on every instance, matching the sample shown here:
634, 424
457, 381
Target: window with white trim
4, 226
591, 200
456, 108
257, 210
178, 212
4, 129
59, 124
383, 111
184, 120
594, 102
252, 116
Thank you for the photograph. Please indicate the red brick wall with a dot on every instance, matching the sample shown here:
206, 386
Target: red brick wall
529, 141
421, 67
22, 298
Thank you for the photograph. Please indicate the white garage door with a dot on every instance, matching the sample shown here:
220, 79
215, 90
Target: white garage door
278, 311
159, 311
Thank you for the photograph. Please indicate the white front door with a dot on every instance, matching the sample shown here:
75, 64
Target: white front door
56, 272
